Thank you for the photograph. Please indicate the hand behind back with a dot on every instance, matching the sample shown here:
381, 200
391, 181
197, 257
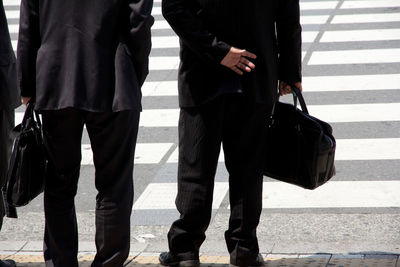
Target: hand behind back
237, 60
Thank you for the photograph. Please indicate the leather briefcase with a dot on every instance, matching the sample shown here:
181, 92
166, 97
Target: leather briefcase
28, 163
300, 149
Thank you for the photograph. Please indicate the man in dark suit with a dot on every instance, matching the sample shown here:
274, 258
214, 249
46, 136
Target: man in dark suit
233, 53
9, 100
83, 63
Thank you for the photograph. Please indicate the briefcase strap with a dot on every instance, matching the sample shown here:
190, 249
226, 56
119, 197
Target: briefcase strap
298, 95
10, 211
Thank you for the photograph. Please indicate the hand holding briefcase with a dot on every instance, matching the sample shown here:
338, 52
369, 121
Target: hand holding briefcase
300, 149
28, 164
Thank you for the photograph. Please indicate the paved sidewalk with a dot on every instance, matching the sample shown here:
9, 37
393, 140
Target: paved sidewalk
29, 254
35, 259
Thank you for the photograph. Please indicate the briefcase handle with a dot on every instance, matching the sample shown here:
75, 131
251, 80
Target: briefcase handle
31, 113
297, 95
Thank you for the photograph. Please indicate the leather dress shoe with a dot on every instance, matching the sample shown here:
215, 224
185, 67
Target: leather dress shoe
7, 263
258, 261
168, 259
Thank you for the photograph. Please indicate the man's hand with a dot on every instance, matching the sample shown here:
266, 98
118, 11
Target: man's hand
237, 60
25, 100
285, 89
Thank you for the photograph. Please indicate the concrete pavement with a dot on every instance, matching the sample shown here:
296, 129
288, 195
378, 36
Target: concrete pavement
29, 254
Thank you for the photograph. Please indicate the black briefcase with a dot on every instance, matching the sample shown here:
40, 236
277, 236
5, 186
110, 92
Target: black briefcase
300, 149
28, 163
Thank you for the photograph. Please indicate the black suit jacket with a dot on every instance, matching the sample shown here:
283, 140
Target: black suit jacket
90, 55
207, 30
9, 94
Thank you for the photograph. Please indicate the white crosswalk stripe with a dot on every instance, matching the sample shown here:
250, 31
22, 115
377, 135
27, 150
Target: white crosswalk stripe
329, 113
162, 196
328, 26
146, 153
366, 18
352, 83
355, 56
277, 195
370, 4
343, 194
361, 35
350, 149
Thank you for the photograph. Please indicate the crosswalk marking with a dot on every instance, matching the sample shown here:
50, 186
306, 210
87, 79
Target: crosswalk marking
146, 153
355, 56
369, 4
361, 35
13, 28
329, 113
277, 195
351, 83
163, 63
173, 41
156, 11
159, 118
313, 19
162, 196
340, 194
368, 149
12, 14
165, 88
160, 25
318, 5
366, 18
303, 6
11, 2
174, 156
165, 42
356, 112
349, 149
310, 84
309, 36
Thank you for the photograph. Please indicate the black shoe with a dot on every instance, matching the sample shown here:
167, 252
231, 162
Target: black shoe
258, 261
7, 263
168, 259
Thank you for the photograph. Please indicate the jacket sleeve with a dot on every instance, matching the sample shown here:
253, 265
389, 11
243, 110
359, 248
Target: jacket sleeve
289, 41
28, 46
141, 21
190, 29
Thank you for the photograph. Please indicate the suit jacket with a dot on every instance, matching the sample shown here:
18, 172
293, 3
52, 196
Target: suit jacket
9, 94
86, 54
207, 30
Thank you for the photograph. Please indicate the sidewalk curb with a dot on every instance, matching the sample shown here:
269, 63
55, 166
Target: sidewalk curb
35, 259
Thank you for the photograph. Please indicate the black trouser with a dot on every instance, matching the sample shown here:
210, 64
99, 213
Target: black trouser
239, 126
6, 126
113, 139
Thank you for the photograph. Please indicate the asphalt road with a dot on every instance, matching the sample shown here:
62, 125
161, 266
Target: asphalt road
351, 68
